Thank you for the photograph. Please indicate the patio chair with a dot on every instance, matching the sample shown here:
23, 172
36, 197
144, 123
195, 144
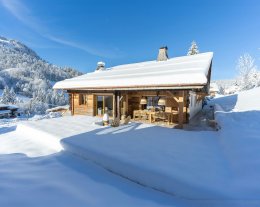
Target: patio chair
160, 116
144, 115
137, 113
168, 109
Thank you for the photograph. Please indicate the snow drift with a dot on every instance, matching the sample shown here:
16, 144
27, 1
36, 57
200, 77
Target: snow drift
221, 165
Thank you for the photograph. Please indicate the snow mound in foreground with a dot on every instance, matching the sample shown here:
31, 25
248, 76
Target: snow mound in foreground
241, 101
48, 143
248, 100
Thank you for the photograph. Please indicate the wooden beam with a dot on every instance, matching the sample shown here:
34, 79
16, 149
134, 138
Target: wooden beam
181, 106
92, 105
176, 99
201, 93
114, 106
72, 103
118, 105
172, 95
126, 105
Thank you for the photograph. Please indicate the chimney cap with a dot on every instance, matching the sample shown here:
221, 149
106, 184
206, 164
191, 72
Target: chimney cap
100, 63
164, 47
100, 66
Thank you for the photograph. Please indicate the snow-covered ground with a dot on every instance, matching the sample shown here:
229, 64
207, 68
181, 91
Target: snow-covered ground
191, 168
35, 173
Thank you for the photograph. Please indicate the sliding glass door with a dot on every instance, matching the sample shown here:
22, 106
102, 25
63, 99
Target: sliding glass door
104, 105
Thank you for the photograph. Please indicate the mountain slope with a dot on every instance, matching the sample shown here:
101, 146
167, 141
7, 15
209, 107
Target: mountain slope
30, 76
22, 69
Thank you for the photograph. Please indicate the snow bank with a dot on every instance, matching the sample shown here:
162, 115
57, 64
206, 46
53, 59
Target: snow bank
39, 136
221, 165
60, 179
194, 165
25, 141
228, 109
248, 100
183, 164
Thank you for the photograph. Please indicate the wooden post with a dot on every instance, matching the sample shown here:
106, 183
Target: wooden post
72, 103
114, 106
92, 104
126, 104
181, 105
118, 105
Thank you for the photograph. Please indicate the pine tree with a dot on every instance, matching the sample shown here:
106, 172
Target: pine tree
193, 49
6, 95
12, 98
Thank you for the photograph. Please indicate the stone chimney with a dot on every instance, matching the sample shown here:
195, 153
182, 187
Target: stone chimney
100, 66
163, 54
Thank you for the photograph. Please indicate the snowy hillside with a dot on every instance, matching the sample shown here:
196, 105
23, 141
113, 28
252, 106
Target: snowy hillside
224, 85
22, 69
12, 45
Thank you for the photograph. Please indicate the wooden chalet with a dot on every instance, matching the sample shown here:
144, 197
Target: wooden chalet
167, 89
7, 111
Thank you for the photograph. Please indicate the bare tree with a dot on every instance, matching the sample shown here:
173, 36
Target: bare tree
248, 74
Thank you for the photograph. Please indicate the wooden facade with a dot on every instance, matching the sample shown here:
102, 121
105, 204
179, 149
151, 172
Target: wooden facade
126, 102
139, 89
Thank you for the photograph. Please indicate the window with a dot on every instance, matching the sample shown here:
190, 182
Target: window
152, 101
82, 99
104, 105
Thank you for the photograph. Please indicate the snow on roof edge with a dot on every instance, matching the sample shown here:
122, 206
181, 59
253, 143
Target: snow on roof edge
179, 68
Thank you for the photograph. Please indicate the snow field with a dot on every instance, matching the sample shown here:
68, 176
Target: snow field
208, 168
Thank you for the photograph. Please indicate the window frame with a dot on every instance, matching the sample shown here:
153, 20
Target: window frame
82, 99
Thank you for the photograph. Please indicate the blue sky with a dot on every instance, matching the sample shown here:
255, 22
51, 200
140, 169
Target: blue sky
79, 33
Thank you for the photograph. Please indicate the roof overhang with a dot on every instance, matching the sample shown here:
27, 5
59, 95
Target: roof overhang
121, 88
187, 72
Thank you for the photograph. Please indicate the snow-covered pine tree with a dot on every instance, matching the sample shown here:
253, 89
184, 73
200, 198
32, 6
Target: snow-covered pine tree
6, 95
248, 74
193, 50
12, 98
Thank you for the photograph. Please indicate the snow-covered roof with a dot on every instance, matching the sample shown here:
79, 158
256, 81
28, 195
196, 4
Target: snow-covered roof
8, 106
58, 108
2, 112
3, 105
173, 73
13, 107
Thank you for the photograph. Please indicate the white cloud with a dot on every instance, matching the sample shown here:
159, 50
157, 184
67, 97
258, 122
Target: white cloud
24, 15
21, 12
81, 46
